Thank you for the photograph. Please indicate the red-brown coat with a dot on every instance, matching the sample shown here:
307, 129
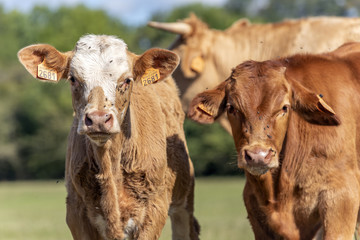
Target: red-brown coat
208, 54
127, 164
295, 124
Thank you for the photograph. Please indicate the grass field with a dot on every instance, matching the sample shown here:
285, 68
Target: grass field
36, 210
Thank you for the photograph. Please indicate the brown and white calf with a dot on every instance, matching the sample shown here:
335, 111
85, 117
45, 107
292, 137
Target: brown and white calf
295, 124
127, 163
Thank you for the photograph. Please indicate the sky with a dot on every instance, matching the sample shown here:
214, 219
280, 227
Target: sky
131, 12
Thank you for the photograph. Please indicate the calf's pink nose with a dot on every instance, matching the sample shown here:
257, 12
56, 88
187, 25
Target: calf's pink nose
258, 155
99, 121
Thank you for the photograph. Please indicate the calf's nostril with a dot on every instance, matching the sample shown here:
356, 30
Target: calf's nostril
268, 156
247, 156
108, 117
88, 121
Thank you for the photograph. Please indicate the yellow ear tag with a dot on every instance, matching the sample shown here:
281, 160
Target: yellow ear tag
43, 72
197, 64
150, 76
323, 106
202, 107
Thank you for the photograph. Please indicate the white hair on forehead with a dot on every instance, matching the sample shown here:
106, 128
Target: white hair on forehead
100, 60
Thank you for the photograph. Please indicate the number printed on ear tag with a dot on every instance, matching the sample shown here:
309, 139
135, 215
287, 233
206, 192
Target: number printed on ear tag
150, 76
46, 73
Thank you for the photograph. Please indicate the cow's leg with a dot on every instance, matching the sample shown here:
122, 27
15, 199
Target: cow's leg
183, 223
78, 221
155, 218
194, 225
338, 210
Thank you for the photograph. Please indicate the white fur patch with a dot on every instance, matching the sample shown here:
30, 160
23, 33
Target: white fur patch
100, 60
101, 225
129, 228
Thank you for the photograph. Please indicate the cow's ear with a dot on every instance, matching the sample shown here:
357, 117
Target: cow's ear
312, 107
207, 106
155, 65
44, 62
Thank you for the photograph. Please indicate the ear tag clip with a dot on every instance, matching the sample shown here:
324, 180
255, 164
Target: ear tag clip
150, 76
197, 64
46, 73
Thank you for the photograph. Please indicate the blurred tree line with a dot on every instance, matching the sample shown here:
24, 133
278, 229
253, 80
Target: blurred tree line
35, 117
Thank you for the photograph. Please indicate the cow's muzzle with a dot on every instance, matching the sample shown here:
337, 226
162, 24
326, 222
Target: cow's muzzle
99, 121
258, 159
99, 126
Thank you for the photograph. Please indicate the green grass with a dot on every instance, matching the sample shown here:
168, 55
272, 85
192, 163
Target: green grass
33, 211
36, 210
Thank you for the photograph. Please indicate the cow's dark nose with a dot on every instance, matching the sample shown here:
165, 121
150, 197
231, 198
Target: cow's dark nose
258, 155
99, 121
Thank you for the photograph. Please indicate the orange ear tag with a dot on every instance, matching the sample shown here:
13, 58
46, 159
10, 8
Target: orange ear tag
203, 108
323, 106
150, 76
197, 64
43, 72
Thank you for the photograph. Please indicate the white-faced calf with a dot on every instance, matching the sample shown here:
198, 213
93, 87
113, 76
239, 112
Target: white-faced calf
127, 164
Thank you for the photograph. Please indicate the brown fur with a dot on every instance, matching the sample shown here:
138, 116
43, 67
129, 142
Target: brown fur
312, 179
245, 41
142, 173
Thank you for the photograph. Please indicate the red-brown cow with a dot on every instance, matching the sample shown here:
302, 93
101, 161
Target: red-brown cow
127, 163
295, 124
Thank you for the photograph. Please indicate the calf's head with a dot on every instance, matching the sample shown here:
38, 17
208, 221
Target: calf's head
259, 99
102, 74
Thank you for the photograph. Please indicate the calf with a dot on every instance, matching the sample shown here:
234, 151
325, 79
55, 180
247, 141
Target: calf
127, 163
295, 124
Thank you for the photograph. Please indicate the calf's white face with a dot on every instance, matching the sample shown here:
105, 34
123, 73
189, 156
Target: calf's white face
99, 61
99, 65
102, 73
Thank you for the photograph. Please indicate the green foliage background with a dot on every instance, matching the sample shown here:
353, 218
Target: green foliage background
35, 117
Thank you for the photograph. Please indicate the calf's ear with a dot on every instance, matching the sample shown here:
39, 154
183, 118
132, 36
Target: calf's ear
45, 62
312, 107
155, 65
207, 106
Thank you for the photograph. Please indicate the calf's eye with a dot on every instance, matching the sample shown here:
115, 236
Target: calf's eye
230, 109
285, 108
72, 79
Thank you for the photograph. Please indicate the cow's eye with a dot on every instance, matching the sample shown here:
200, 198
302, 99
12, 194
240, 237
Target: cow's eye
72, 79
285, 108
128, 80
230, 109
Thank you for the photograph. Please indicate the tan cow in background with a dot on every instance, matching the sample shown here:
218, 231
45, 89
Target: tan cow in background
207, 55
127, 164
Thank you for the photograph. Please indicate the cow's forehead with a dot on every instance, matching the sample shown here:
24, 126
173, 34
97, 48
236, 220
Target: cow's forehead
100, 60
257, 86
